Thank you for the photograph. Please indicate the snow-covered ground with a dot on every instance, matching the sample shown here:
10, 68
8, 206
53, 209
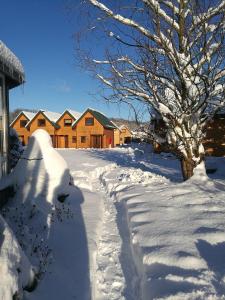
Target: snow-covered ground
128, 229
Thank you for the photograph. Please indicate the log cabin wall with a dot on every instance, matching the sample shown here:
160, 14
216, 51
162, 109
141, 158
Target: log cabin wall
116, 137
85, 134
65, 135
108, 138
22, 131
125, 135
91, 134
48, 126
214, 142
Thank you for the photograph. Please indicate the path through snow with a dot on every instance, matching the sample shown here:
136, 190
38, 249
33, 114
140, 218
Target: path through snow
136, 235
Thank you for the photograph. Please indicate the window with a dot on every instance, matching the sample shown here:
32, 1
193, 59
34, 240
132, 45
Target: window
23, 123
89, 121
74, 139
67, 122
83, 139
41, 122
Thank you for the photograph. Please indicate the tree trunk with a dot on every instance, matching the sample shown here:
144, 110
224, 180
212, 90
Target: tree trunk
187, 167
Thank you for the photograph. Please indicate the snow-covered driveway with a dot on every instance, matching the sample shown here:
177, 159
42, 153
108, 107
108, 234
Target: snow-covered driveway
135, 234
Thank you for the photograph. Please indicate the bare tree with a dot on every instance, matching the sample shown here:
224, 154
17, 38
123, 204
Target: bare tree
168, 55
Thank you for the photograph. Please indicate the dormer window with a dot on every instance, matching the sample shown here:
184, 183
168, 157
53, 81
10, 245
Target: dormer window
23, 123
89, 121
67, 122
41, 122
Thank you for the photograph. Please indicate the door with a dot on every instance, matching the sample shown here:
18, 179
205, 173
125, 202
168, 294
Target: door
96, 141
62, 141
22, 139
66, 141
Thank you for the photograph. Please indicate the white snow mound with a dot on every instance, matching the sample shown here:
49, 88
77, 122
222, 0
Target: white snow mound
40, 170
15, 270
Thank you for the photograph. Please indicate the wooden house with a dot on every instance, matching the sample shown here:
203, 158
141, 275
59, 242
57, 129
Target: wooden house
214, 142
94, 130
65, 134
70, 129
116, 135
125, 135
44, 120
19, 124
11, 76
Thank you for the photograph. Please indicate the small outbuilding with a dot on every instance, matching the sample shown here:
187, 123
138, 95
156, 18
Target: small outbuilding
11, 75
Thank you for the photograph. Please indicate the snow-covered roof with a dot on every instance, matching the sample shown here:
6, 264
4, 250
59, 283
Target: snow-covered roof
124, 127
29, 115
99, 116
117, 127
50, 115
74, 113
11, 65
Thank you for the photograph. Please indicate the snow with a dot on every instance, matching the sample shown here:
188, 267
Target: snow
9, 58
28, 114
15, 272
52, 116
74, 113
128, 228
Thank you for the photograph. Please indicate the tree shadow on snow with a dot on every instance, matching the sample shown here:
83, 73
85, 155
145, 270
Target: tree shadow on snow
214, 255
168, 167
167, 281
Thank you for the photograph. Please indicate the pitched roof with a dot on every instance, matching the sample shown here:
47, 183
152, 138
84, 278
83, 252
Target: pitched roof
117, 127
51, 116
102, 119
29, 115
11, 65
124, 126
73, 114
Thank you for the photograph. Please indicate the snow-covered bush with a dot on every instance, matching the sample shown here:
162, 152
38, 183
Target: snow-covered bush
40, 177
16, 272
15, 148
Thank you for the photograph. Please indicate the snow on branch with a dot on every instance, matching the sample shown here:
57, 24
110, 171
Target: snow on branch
125, 21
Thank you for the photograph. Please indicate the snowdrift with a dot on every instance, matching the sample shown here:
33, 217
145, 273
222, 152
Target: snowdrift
39, 178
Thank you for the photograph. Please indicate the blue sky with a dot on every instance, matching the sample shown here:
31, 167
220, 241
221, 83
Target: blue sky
40, 33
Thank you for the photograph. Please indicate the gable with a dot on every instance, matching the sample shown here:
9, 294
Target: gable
86, 115
21, 116
65, 115
38, 116
101, 118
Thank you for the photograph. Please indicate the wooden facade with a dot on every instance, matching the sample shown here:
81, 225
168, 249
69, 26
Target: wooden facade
214, 142
117, 137
65, 136
125, 135
92, 129
19, 124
